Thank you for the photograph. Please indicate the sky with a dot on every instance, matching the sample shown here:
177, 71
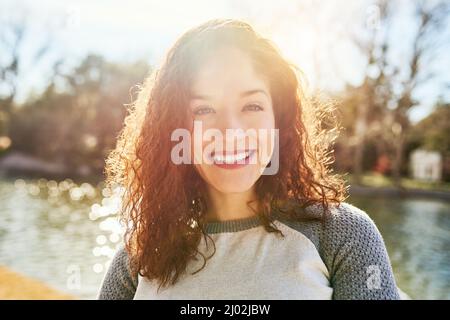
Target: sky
315, 35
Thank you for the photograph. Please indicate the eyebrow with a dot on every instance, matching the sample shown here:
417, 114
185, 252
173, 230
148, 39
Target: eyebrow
242, 95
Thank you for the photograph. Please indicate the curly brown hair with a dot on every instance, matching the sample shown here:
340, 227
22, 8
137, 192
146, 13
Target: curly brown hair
163, 203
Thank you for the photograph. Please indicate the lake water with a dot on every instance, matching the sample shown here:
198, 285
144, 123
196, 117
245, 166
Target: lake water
65, 234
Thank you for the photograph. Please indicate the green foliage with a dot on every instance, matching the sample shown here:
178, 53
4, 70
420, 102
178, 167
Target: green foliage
433, 132
76, 120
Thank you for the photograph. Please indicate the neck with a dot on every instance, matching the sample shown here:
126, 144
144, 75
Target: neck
230, 206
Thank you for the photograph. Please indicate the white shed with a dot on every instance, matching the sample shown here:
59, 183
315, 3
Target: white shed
426, 165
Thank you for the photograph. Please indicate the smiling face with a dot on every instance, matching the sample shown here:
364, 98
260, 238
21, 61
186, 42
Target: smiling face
230, 98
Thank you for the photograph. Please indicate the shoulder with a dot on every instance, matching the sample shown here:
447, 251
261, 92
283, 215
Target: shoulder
121, 261
346, 232
345, 224
357, 256
348, 222
119, 282
346, 228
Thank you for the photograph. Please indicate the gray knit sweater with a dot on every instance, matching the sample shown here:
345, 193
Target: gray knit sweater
341, 258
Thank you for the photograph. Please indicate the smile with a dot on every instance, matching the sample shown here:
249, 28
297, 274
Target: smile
233, 160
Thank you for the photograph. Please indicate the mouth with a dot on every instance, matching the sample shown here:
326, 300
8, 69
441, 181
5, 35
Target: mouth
233, 160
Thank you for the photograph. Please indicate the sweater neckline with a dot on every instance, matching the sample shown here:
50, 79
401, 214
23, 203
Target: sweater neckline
233, 225
242, 224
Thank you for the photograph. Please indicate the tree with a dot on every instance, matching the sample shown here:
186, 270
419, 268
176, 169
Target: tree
433, 132
13, 34
77, 118
387, 92
432, 17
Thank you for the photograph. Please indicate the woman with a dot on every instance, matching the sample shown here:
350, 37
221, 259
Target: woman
240, 216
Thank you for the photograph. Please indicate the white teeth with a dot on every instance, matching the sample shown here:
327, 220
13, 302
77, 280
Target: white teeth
231, 158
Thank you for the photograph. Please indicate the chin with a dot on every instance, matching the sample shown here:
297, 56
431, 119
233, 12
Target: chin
232, 181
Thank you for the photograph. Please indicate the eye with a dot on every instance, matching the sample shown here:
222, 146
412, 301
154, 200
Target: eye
253, 107
203, 110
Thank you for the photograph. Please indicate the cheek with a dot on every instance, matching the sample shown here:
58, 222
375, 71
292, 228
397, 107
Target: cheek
196, 149
267, 137
264, 120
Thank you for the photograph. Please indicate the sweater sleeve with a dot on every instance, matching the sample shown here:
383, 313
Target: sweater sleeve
119, 283
356, 256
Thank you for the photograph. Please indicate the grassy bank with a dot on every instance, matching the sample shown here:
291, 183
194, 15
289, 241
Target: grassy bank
379, 181
15, 286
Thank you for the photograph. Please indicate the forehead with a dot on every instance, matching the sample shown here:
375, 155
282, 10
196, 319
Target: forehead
227, 72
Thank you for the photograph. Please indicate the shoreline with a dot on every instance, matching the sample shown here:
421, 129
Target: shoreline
360, 190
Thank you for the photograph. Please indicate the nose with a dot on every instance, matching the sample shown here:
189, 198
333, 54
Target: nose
229, 119
233, 129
